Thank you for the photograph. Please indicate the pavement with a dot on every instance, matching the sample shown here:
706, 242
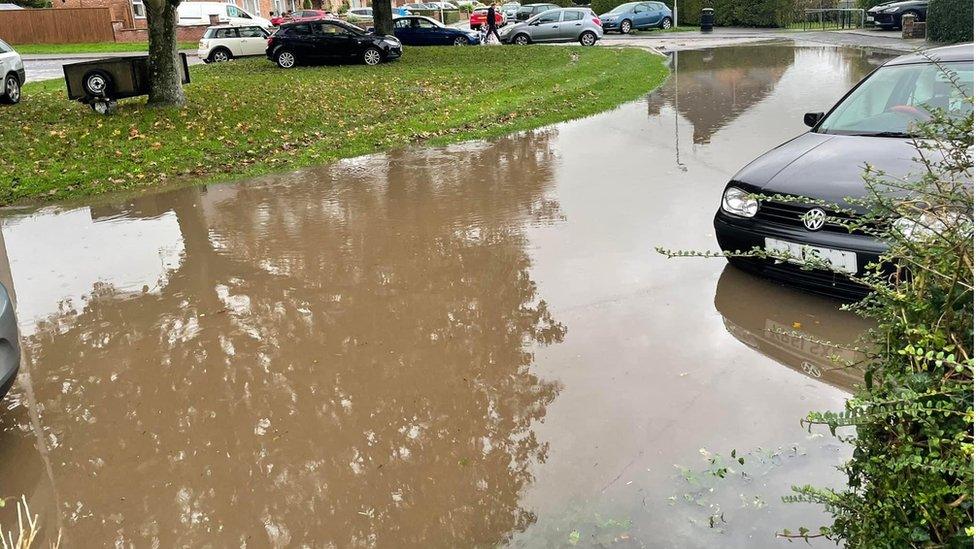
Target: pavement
47, 66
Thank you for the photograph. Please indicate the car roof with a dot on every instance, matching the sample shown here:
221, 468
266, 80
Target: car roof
958, 52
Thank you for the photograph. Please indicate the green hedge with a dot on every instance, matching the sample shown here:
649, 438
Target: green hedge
950, 21
728, 13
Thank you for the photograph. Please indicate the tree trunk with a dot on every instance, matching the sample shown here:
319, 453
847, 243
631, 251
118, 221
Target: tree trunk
383, 17
165, 71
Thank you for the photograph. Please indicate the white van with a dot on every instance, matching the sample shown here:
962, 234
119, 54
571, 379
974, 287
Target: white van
198, 13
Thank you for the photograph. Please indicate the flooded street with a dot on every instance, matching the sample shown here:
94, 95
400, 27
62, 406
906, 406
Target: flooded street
469, 346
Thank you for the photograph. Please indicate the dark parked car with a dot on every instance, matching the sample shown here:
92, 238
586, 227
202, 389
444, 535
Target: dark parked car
527, 11
9, 343
871, 124
417, 30
888, 16
319, 41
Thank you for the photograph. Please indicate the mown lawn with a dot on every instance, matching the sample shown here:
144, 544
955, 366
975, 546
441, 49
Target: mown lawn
91, 47
248, 117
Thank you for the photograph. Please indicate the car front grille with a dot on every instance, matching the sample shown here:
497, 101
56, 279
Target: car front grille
791, 215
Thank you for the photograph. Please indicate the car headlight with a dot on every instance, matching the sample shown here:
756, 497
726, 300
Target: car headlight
929, 225
738, 202
391, 41
610, 18
506, 31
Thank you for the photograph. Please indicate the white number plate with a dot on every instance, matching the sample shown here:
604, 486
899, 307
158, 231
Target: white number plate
869, 19
838, 259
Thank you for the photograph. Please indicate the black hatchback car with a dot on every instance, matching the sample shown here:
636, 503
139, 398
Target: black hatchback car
888, 15
869, 125
329, 40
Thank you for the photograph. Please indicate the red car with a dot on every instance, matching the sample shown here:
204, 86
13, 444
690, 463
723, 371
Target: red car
479, 17
300, 15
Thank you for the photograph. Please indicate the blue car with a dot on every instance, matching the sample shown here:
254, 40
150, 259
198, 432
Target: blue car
637, 15
417, 30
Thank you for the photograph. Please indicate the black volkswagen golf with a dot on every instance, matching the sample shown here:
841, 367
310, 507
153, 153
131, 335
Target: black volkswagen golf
869, 125
329, 40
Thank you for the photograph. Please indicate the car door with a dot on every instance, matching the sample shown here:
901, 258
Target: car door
404, 31
571, 25
545, 28
252, 40
641, 16
334, 41
429, 32
658, 11
301, 41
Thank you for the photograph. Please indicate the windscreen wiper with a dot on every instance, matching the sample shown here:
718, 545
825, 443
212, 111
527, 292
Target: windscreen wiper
884, 134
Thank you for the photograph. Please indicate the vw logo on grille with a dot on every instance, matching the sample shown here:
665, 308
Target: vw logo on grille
814, 219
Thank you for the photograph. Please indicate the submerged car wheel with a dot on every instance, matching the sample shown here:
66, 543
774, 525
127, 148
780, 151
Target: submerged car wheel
587, 38
626, 27
97, 84
220, 55
372, 56
666, 23
11, 89
521, 40
285, 59
460, 41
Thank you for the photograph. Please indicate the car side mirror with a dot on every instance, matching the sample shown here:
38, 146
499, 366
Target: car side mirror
811, 118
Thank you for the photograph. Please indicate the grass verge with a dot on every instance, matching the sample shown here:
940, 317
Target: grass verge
91, 47
248, 117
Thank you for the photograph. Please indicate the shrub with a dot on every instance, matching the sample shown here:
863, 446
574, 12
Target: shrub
600, 7
740, 13
910, 480
950, 21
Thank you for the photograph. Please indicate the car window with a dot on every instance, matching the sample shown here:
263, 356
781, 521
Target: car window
640, 8
300, 29
426, 24
572, 15
897, 97
330, 29
4, 47
401, 24
226, 33
250, 32
549, 17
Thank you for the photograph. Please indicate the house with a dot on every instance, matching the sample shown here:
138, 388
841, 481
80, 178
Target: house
131, 14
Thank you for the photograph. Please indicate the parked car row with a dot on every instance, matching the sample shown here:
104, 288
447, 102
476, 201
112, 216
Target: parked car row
889, 14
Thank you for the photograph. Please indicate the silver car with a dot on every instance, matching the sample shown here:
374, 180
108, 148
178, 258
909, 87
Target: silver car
560, 25
509, 9
9, 343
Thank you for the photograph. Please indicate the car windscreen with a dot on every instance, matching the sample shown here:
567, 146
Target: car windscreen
622, 8
896, 98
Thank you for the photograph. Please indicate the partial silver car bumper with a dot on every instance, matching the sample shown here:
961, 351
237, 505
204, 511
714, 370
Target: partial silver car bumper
9, 343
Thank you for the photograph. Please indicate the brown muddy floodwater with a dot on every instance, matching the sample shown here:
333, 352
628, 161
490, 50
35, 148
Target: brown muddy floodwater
468, 346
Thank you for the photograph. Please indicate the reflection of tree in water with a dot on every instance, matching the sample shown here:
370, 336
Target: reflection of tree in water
340, 359
716, 85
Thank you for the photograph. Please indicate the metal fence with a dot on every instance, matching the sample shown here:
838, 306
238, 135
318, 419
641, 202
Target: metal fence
833, 18
56, 26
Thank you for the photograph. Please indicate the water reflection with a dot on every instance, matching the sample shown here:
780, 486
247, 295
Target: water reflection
807, 333
710, 88
339, 357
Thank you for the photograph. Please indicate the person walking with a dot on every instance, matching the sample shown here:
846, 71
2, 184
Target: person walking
492, 24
